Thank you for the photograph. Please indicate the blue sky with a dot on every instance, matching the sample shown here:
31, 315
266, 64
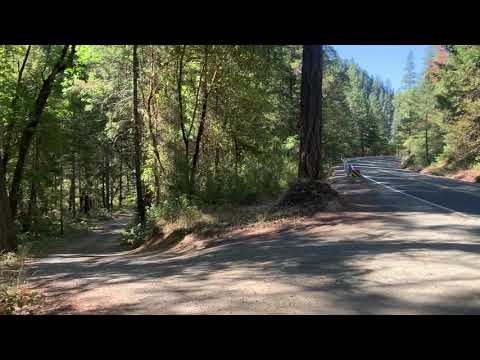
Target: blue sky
386, 61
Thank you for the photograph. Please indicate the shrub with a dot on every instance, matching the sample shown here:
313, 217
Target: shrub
179, 208
14, 298
136, 234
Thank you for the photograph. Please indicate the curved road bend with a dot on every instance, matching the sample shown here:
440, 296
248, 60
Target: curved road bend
449, 195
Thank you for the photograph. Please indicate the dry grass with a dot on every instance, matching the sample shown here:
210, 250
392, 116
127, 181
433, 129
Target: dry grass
192, 231
15, 298
442, 169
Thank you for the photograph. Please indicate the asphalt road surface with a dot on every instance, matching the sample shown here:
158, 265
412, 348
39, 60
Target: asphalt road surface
404, 244
448, 195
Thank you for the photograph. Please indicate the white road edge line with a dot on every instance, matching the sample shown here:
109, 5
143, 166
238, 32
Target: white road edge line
417, 198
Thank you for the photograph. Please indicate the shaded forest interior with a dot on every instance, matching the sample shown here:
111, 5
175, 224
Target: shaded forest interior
89, 129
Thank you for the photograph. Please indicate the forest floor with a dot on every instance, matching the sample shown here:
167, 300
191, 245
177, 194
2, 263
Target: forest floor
468, 175
451, 171
101, 241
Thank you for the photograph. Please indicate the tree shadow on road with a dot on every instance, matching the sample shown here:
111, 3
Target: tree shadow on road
361, 260
293, 255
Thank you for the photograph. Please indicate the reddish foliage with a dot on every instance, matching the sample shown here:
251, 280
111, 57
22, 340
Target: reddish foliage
440, 58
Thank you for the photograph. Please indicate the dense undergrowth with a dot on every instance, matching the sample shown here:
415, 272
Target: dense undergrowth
436, 120
446, 167
177, 217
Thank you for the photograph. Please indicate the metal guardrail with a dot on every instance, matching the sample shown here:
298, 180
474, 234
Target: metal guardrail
350, 170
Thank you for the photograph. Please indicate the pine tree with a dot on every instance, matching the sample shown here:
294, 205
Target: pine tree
310, 166
409, 78
137, 141
221, 125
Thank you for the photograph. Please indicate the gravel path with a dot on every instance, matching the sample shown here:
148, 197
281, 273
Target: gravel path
385, 254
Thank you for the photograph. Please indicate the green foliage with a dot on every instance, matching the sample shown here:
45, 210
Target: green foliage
173, 207
358, 112
136, 234
409, 77
437, 119
219, 127
168, 211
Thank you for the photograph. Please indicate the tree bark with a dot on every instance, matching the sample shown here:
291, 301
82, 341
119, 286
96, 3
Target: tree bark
180, 101
7, 226
153, 139
73, 179
197, 143
310, 166
201, 126
137, 139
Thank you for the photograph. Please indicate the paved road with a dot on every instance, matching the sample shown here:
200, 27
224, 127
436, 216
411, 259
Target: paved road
386, 253
445, 194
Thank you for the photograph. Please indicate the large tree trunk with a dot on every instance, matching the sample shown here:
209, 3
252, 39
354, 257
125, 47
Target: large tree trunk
198, 141
153, 139
180, 101
203, 117
7, 226
137, 139
310, 166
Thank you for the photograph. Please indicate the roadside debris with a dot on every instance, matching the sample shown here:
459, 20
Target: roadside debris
305, 193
